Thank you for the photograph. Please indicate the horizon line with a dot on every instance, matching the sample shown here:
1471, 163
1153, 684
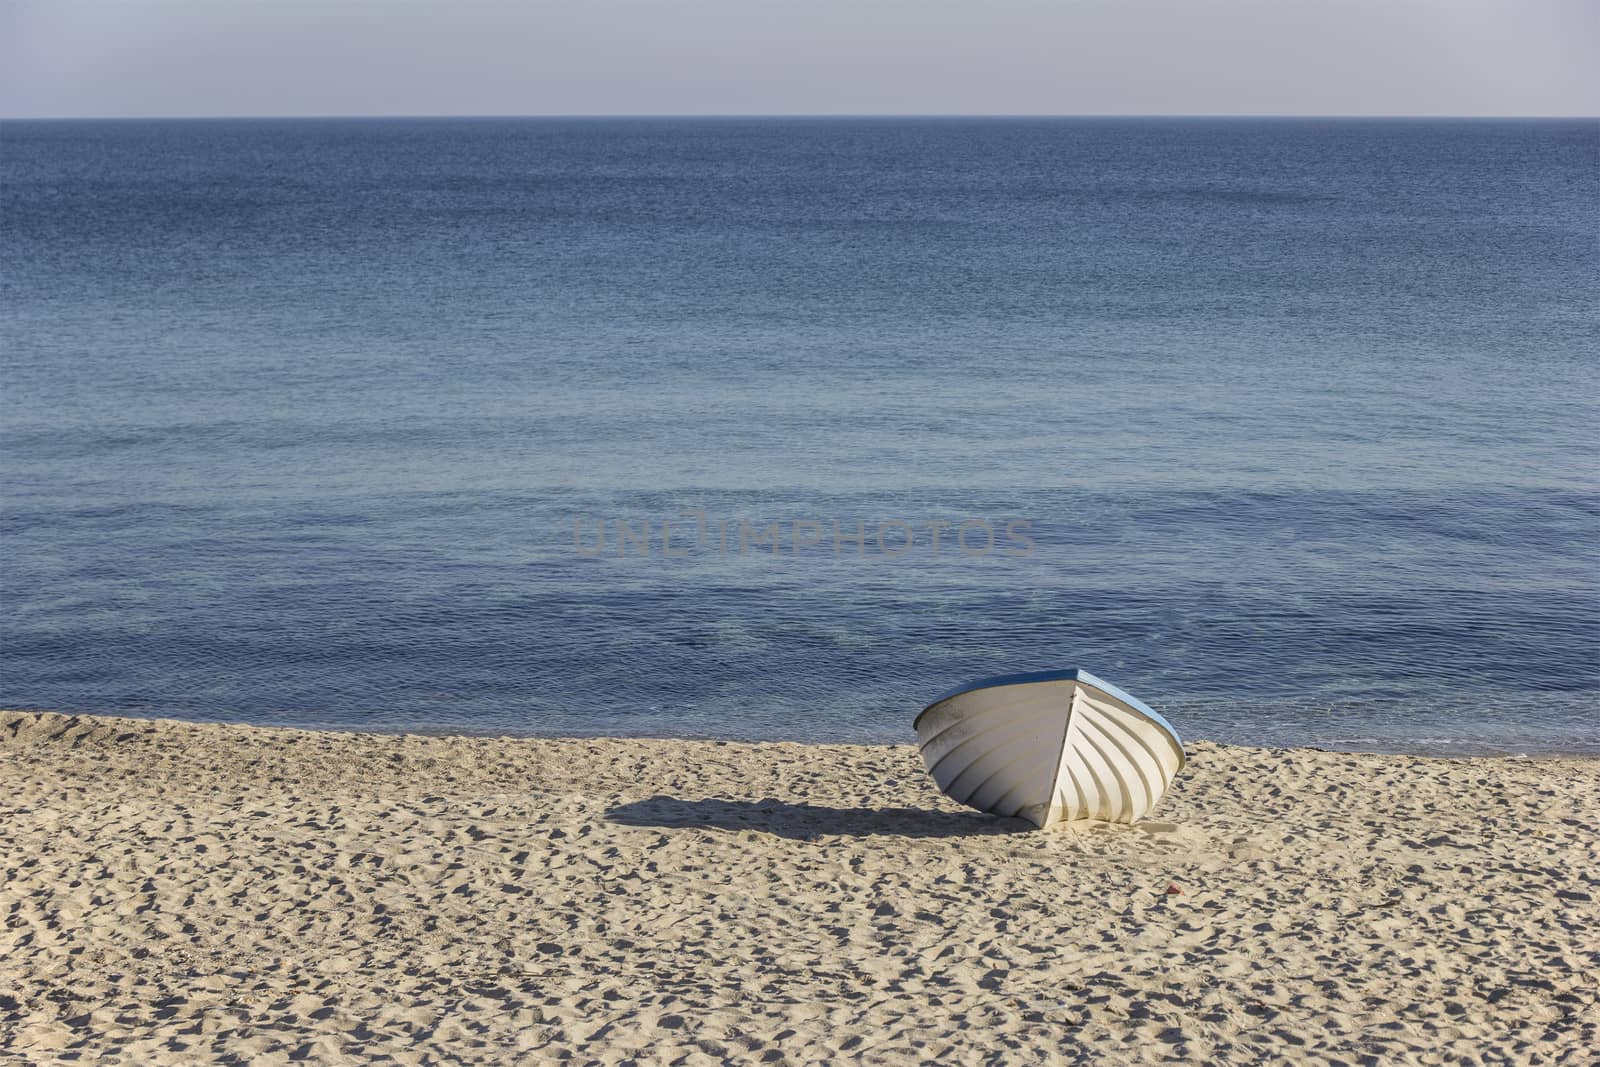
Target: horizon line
1399, 116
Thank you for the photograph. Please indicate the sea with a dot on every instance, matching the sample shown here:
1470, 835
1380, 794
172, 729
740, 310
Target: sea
779, 428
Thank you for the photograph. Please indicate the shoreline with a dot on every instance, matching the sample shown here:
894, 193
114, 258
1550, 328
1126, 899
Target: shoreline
180, 890
1418, 750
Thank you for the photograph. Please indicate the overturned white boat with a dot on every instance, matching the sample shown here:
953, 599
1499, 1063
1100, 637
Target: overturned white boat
1049, 747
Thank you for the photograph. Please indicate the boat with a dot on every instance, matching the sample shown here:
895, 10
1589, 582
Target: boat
1049, 747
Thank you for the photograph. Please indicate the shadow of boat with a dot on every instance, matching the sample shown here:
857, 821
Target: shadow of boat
807, 822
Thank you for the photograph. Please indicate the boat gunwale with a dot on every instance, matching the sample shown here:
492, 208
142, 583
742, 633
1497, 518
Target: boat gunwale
1071, 674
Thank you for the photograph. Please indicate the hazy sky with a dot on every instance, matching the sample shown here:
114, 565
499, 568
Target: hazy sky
547, 57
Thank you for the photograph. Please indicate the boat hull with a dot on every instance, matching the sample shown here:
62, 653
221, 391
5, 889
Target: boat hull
1049, 748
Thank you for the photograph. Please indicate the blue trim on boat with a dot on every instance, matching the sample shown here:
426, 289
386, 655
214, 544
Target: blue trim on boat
1072, 675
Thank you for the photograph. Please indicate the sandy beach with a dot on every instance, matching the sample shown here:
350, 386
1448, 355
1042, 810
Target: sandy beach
180, 893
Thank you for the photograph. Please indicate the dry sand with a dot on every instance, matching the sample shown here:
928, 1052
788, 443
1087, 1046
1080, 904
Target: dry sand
189, 893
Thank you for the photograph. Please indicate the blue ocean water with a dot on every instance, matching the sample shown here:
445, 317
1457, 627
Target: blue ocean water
1286, 426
